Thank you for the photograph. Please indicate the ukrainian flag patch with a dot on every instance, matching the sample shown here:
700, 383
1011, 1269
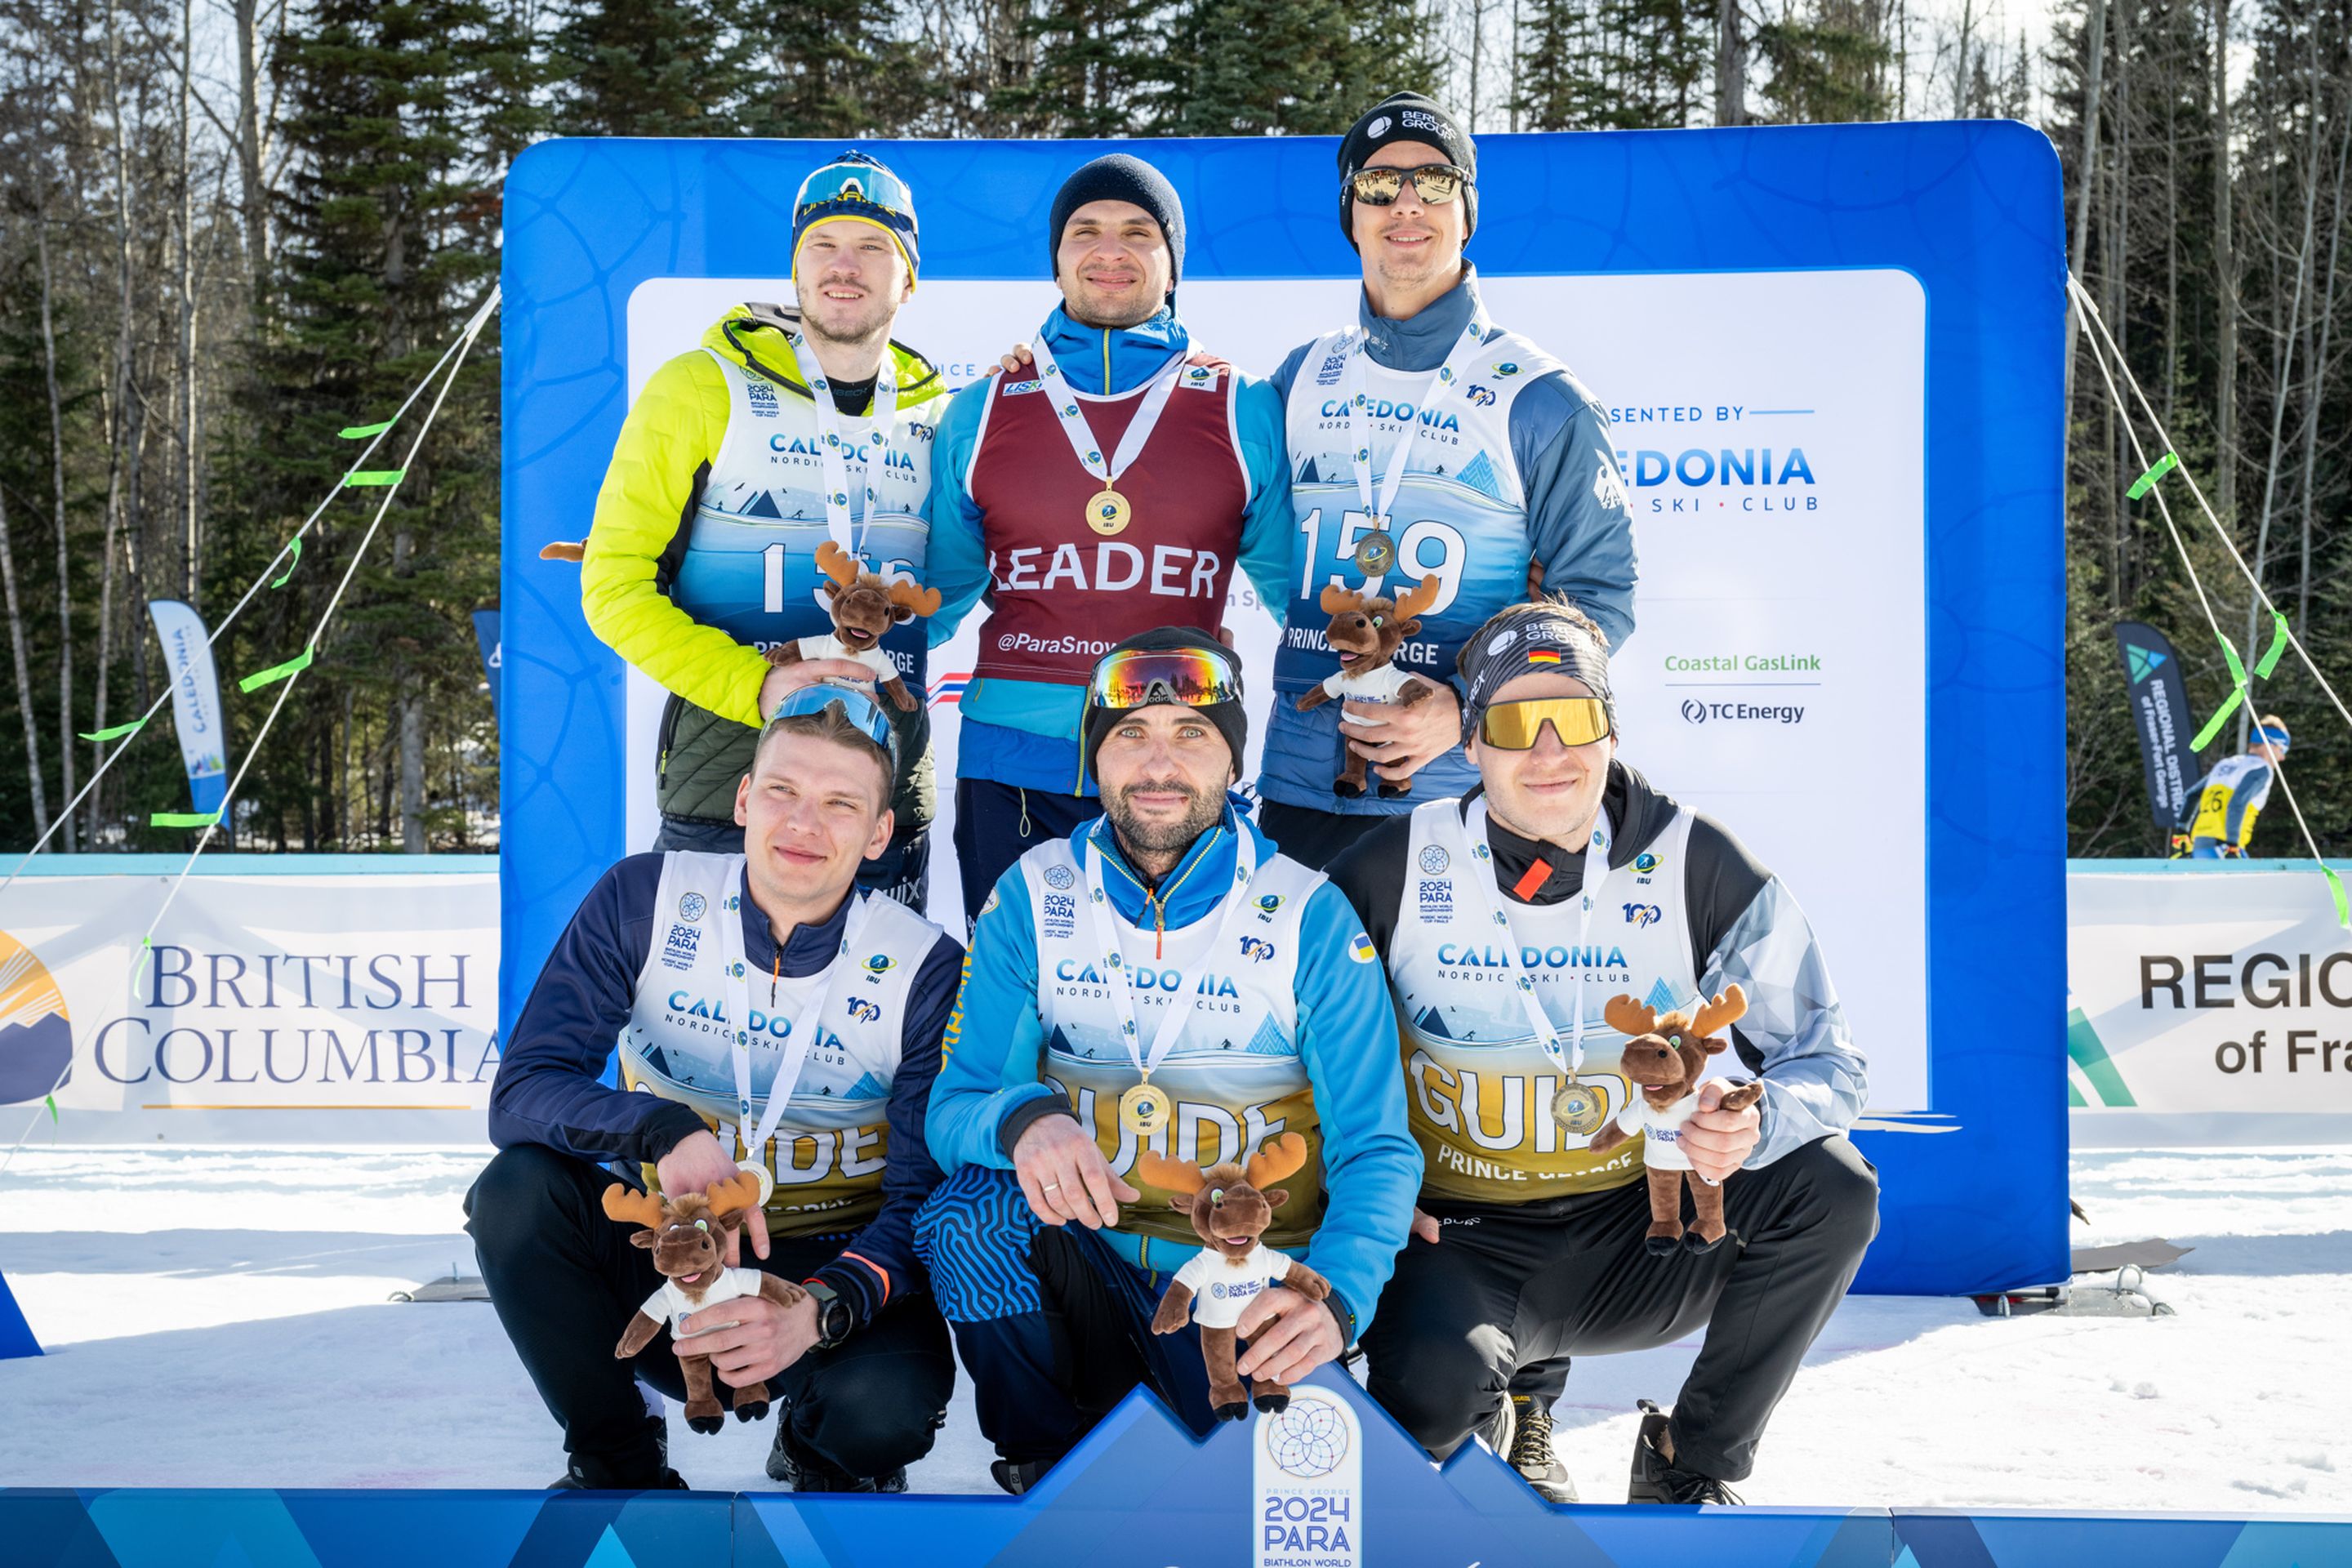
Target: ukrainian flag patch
1359, 948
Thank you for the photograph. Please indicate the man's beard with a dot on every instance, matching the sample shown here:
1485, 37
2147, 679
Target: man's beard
864, 332
1157, 837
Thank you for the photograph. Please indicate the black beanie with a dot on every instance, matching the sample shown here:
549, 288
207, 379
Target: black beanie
1121, 177
1229, 718
1407, 117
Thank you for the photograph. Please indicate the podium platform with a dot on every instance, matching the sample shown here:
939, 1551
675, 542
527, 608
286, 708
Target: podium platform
1140, 1492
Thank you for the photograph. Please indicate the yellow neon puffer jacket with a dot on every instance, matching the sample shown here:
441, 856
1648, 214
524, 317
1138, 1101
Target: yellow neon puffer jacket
643, 512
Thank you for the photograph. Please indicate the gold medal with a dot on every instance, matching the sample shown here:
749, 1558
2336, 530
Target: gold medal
1107, 511
1143, 1110
1577, 1109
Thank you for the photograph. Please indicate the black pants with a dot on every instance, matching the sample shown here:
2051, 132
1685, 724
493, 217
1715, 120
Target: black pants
902, 871
996, 823
565, 1282
1313, 839
1499, 1305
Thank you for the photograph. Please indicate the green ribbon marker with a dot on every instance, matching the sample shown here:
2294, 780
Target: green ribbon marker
2278, 647
294, 544
299, 662
2237, 695
2336, 891
146, 951
117, 732
183, 818
361, 432
51, 1101
362, 477
2147, 481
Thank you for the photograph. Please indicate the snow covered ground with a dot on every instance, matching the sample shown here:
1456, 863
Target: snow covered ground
219, 1317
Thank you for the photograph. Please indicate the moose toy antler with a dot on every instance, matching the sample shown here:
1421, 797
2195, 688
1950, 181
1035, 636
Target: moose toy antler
687, 1236
1666, 1054
865, 604
1366, 631
1230, 1206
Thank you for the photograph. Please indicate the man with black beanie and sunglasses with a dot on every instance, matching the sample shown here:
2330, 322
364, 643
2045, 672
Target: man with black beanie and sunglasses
1424, 440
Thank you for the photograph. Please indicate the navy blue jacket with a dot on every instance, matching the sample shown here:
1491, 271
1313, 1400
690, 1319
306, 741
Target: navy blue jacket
550, 1085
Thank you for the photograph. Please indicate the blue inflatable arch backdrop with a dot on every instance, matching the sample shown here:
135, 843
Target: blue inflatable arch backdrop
1831, 355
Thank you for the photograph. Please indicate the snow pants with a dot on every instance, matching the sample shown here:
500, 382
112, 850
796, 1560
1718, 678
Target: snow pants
566, 1281
1503, 1300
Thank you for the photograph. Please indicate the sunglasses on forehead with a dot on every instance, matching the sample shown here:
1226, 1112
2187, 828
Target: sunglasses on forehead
1435, 184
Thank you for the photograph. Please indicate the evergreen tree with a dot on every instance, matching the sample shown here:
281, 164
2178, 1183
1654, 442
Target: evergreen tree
1830, 62
644, 68
1292, 67
1091, 58
1591, 64
400, 118
830, 69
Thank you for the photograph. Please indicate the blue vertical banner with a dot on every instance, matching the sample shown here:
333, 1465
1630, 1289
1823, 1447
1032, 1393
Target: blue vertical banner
195, 700
2159, 706
486, 632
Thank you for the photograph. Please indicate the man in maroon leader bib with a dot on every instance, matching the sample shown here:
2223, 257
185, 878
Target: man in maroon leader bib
1108, 487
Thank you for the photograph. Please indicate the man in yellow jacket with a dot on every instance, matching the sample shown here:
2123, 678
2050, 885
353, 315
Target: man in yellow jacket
785, 429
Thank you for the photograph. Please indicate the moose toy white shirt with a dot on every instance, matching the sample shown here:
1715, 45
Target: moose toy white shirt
832, 646
1381, 685
1221, 1289
673, 1303
1664, 1151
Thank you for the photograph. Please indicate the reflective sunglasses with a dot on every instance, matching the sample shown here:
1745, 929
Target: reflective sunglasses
1137, 677
1437, 183
861, 711
1513, 726
857, 183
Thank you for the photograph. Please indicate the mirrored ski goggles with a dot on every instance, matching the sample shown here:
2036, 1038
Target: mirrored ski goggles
863, 713
1137, 677
851, 184
1436, 183
1513, 726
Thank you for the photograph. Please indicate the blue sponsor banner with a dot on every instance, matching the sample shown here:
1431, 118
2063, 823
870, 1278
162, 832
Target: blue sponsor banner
1974, 1178
485, 633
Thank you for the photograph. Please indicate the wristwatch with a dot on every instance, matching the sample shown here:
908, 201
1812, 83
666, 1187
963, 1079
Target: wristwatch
832, 1316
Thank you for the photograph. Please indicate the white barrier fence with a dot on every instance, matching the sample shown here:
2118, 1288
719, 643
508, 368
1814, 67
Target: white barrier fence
2211, 1003
287, 999
336, 999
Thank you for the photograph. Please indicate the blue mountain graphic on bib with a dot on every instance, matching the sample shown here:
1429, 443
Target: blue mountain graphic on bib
1432, 1023
870, 1087
1307, 475
764, 505
1479, 475
1269, 1041
1660, 999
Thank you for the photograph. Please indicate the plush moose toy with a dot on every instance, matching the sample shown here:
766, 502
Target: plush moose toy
687, 1236
864, 607
1231, 1205
1366, 631
1664, 1054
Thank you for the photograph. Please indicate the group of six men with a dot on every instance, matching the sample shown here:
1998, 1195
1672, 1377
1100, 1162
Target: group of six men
1411, 981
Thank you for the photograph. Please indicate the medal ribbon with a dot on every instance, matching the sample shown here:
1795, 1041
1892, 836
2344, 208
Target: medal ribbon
884, 423
1596, 871
797, 1044
1442, 383
1113, 962
1074, 423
